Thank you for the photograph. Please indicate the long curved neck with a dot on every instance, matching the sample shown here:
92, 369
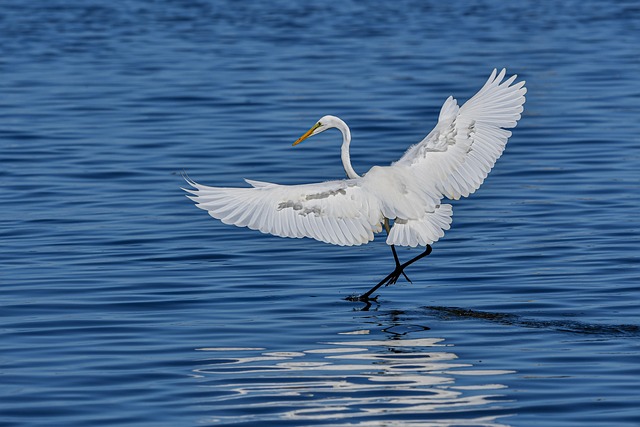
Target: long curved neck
344, 151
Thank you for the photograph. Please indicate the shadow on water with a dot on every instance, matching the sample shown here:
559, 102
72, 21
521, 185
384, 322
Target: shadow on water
359, 377
571, 326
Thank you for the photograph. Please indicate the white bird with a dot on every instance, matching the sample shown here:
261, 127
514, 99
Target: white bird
451, 162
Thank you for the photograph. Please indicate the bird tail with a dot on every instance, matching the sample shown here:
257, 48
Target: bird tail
423, 231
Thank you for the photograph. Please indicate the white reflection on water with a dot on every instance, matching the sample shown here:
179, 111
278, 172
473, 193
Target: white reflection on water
408, 382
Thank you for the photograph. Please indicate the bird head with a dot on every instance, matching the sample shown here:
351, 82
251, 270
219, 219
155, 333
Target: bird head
327, 122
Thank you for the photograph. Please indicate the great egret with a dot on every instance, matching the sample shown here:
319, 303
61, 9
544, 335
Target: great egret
452, 161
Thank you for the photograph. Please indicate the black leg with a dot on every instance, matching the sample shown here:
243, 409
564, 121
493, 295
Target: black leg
393, 249
395, 257
394, 275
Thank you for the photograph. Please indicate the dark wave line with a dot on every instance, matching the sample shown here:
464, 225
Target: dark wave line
571, 326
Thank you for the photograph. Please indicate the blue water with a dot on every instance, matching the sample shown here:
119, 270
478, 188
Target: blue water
123, 304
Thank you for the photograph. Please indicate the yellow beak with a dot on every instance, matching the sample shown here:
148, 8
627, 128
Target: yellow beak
307, 134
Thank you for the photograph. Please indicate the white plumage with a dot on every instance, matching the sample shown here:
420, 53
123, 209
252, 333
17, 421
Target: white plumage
451, 162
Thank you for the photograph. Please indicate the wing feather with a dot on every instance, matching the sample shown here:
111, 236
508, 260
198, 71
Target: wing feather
337, 212
454, 159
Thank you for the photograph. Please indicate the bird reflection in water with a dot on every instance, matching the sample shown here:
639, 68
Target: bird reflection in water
356, 379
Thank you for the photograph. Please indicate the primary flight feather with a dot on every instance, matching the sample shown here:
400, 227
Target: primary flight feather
451, 162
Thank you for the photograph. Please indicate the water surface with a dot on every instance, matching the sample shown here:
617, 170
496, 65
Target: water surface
123, 304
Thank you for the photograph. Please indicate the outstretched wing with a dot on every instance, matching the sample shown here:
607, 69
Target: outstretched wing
337, 212
455, 158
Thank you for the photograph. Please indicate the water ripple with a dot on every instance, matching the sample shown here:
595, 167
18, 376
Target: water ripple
109, 277
365, 381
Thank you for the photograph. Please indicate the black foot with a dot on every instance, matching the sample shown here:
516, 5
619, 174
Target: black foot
368, 301
392, 278
361, 298
389, 280
405, 276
